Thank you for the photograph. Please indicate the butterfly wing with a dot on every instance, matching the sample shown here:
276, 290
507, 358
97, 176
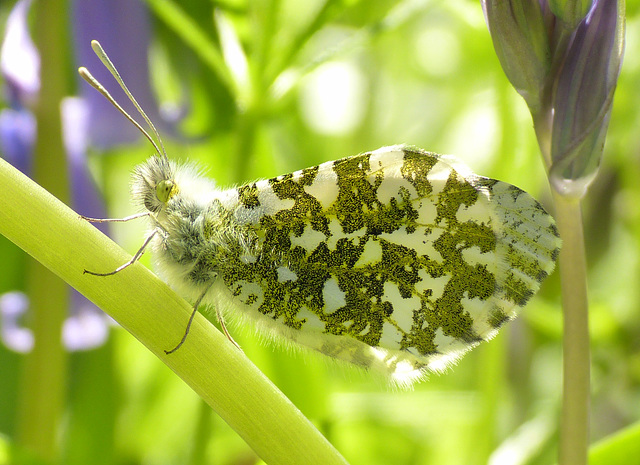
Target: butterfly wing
398, 260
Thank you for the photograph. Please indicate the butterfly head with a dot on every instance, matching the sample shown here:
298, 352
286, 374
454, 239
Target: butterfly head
154, 181
154, 184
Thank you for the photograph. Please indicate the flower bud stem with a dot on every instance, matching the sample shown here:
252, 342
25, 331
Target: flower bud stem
574, 425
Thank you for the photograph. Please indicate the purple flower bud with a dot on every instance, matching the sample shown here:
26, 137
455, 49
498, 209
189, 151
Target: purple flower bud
583, 96
570, 12
519, 32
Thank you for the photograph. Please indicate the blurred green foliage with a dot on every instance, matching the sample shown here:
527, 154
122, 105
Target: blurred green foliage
360, 75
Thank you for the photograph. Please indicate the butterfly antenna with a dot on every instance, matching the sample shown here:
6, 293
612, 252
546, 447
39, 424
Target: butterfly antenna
86, 75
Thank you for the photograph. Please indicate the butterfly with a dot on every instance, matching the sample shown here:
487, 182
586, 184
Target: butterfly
397, 260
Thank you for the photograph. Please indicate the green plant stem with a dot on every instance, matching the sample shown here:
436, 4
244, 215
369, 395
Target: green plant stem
145, 306
44, 372
574, 426
574, 422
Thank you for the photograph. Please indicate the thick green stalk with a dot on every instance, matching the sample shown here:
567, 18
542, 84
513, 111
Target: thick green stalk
146, 307
43, 383
574, 426
574, 423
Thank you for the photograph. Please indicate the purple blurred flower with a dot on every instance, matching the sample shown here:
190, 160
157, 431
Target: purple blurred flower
19, 59
84, 195
13, 306
122, 26
17, 134
20, 67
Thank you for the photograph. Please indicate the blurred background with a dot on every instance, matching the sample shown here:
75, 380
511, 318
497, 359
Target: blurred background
254, 89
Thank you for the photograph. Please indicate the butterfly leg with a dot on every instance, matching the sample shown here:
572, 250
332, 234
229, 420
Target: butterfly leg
224, 329
114, 220
130, 262
193, 314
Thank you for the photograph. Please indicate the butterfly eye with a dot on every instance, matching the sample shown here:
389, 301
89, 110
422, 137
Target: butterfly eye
165, 190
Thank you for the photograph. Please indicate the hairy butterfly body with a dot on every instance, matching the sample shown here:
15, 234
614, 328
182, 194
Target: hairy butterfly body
397, 260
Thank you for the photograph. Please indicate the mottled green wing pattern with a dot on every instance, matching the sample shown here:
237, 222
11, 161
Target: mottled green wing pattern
398, 260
